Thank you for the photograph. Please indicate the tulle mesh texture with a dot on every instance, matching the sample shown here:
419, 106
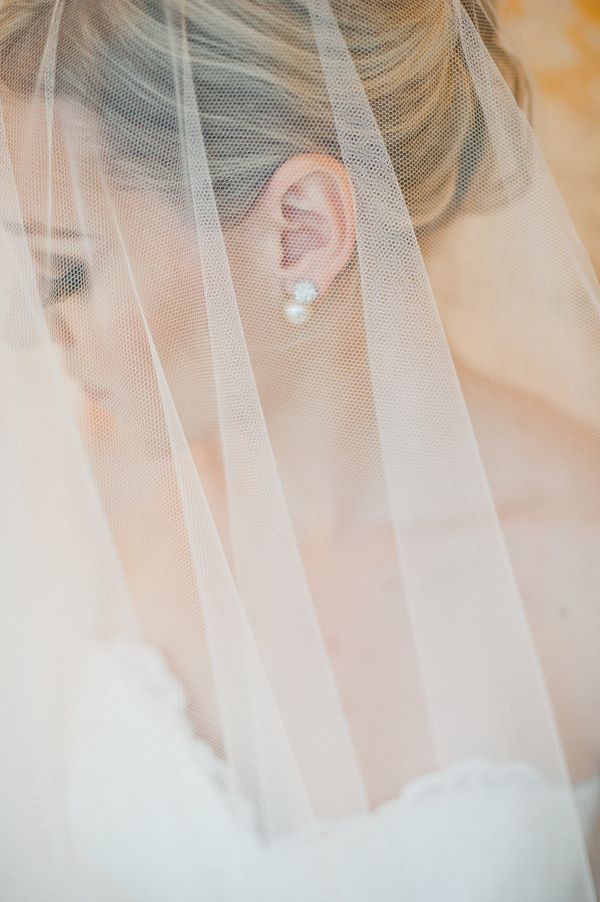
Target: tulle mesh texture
364, 545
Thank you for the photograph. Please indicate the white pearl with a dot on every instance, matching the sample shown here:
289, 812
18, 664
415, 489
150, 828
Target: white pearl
297, 313
305, 292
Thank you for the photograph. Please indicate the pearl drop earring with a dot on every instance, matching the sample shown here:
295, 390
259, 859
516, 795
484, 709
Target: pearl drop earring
304, 294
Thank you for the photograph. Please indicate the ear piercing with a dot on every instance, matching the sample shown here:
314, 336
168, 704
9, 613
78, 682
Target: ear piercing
304, 294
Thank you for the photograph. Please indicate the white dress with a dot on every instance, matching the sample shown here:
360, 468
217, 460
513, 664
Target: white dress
149, 810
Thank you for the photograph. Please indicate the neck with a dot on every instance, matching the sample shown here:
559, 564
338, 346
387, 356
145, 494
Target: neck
320, 452
319, 422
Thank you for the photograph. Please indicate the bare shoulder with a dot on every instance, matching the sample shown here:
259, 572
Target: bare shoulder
543, 470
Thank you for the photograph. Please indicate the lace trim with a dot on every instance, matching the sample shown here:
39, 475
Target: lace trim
147, 667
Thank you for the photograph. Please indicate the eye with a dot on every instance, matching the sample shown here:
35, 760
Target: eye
73, 278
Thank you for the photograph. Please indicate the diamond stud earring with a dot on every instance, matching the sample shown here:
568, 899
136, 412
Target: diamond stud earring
304, 294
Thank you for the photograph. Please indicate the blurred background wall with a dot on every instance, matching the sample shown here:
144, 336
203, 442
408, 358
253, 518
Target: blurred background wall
558, 41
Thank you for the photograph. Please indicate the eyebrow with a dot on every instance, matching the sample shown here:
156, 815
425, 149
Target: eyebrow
35, 228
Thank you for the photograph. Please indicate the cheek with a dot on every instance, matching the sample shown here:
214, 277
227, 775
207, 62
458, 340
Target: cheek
171, 294
258, 287
169, 311
175, 312
130, 350
179, 324
167, 281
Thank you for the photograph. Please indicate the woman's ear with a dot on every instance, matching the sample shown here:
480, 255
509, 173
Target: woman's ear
310, 204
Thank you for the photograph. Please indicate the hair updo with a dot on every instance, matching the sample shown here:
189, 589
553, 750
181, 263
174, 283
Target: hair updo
260, 90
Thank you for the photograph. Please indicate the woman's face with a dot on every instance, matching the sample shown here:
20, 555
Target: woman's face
118, 271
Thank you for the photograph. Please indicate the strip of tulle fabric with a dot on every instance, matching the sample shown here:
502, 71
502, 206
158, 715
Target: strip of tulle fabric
299, 444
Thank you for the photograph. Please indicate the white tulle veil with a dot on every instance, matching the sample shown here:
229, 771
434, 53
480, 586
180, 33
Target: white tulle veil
278, 498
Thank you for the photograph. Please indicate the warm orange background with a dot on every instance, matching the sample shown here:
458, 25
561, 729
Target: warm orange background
559, 43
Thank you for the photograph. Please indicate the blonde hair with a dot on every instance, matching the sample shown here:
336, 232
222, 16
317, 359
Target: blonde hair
258, 78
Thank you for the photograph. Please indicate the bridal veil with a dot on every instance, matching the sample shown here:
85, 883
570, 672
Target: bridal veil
300, 385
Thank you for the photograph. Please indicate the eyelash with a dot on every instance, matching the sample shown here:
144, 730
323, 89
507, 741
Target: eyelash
73, 281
